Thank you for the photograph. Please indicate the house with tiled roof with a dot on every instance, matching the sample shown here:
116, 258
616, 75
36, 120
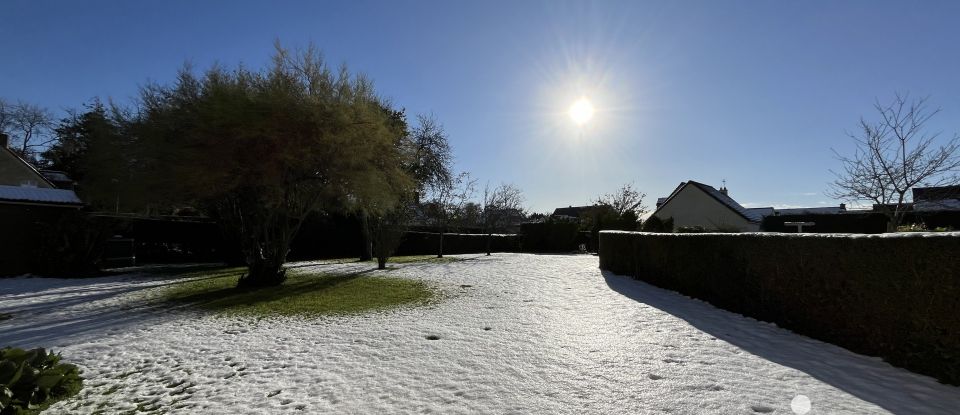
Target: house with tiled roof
30, 204
22, 184
697, 204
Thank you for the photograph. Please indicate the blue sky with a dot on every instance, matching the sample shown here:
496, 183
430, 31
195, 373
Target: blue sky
753, 92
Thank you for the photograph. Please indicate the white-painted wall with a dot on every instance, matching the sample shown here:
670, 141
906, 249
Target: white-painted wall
693, 207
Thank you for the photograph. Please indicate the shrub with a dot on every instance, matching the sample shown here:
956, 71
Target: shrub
72, 246
825, 223
893, 296
427, 243
655, 224
920, 227
549, 236
31, 380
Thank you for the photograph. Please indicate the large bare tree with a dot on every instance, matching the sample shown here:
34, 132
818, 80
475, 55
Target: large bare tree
502, 206
625, 199
28, 125
893, 155
447, 200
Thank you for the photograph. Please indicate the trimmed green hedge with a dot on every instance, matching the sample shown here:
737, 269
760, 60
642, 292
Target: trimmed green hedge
896, 296
428, 243
842, 223
549, 237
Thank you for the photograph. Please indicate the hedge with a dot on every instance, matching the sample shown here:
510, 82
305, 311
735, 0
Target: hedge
839, 223
428, 243
896, 296
549, 237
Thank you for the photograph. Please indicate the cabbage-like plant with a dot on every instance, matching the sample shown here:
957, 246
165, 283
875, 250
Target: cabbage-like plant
31, 380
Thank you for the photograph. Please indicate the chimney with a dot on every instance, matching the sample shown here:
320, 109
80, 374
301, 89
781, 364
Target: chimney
723, 189
4, 140
843, 206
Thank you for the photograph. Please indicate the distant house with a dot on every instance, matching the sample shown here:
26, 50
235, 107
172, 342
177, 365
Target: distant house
573, 213
696, 204
29, 201
936, 198
832, 210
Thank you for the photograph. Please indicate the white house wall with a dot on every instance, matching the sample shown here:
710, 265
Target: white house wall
692, 207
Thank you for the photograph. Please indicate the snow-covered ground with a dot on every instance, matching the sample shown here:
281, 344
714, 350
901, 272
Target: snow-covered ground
517, 334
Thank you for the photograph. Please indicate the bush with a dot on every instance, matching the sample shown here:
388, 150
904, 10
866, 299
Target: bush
549, 237
428, 243
31, 380
655, 224
839, 223
72, 246
893, 296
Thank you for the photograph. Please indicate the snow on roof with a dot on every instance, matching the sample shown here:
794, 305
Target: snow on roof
39, 195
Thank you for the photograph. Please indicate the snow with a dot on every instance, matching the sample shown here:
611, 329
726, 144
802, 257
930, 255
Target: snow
37, 194
563, 337
803, 235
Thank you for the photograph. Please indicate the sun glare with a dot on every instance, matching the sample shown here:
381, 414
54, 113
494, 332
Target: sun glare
581, 111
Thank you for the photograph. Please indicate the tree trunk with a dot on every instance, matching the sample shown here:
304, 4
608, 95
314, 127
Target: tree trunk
489, 237
263, 272
381, 262
440, 252
367, 251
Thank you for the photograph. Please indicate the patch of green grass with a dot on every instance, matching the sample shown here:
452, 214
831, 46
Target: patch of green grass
303, 293
420, 258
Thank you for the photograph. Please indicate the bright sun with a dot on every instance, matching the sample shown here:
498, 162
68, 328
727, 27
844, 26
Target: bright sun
581, 111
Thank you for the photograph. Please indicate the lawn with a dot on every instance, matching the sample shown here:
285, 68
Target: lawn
514, 333
303, 293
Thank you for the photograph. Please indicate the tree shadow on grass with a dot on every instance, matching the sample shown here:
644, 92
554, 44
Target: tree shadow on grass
53, 312
100, 309
867, 378
231, 296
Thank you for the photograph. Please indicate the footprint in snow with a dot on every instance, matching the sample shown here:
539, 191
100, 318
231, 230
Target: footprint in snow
763, 409
653, 376
433, 337
274, 393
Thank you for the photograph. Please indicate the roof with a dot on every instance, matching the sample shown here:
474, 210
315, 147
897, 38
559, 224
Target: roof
55, 176
571, 211
832, 210
19, 194
29, 166
936, 193
937, 205
761, 212
751, 215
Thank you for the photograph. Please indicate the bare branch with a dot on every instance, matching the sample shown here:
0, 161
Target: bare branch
894, 155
